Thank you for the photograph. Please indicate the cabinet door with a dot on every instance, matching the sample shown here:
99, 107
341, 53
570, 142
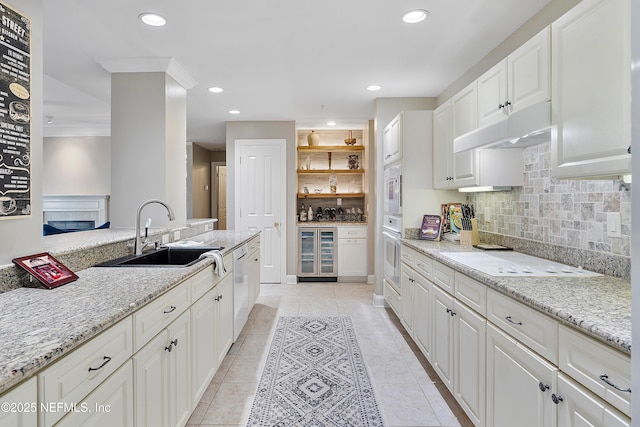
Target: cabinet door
529, 72
422, 313
407, 283
443, 336
492, 94
25, 394
591, 90
519, 384
442, 146
579, 408
391, 141
179, 371
470, 362
110, 404
465, 110
465, 169
224, 318
150, 373
254, 278
203, 343
327, 246
352, 261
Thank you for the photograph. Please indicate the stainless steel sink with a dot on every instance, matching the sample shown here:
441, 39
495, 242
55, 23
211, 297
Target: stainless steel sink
163, 257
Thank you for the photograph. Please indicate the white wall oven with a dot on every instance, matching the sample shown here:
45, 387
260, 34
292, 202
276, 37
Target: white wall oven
393, 190
391, 240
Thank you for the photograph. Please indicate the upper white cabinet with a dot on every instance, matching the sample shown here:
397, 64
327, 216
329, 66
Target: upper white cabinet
591, 73
454, 170
392, 141
518, 81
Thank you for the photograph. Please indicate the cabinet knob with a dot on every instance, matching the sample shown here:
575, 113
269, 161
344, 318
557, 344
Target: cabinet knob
543, 387
507, 103
629, 149
500, 106
557, 398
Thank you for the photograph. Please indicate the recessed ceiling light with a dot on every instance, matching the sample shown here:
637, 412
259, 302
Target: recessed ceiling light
215, 89
234, 111
415, 16
374, 87
152, 19
331, 123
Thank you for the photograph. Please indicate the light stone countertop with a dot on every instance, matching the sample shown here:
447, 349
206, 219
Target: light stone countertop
39, 325
599, 306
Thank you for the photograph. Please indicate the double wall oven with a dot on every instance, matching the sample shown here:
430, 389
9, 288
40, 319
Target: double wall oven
392, 226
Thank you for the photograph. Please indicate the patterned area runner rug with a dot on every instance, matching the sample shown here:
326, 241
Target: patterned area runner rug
314, 376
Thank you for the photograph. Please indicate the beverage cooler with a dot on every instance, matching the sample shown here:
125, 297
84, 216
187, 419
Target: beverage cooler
318, 257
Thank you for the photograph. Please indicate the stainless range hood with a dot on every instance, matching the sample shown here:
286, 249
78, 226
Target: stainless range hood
529, 126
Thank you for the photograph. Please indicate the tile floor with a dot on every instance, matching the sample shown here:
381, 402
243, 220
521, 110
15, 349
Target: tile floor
408, 390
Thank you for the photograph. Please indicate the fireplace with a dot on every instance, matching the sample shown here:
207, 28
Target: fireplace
75, 212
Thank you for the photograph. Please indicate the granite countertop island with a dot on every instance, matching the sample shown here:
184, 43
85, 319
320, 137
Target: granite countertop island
600, 306
39, 326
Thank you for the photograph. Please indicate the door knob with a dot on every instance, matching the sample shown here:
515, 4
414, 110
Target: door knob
276, 224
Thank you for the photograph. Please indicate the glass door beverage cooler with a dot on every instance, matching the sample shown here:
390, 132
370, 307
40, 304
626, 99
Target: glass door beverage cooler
318, 259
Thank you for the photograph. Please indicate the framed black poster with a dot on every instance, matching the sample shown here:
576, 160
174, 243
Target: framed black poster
15, 114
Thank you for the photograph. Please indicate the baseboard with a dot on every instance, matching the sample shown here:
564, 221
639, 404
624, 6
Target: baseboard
371, 279
379, 301
292, 279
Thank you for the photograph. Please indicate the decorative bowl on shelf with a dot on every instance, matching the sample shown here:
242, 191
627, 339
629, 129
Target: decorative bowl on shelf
350, 140
317, 190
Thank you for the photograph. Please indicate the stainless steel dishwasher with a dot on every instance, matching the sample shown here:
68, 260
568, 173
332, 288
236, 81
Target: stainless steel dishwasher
240, 290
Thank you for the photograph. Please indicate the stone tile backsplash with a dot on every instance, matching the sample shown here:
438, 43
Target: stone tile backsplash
571, 214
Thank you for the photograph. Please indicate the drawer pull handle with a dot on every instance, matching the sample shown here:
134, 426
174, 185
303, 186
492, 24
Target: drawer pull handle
172, 309
605, 378
451, 312
557, 398
106, 359
510, 320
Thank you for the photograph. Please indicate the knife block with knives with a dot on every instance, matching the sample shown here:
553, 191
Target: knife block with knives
469, 232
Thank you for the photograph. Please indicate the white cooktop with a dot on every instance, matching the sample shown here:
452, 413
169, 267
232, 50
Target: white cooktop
508, 263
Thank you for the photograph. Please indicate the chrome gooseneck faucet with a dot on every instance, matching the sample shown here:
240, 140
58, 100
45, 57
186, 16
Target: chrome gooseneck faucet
137, 248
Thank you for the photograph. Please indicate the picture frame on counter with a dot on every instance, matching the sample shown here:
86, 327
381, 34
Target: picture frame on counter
431, 228
48, 270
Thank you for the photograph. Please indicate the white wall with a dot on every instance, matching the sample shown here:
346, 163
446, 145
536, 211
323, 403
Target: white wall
77, 165
23, 236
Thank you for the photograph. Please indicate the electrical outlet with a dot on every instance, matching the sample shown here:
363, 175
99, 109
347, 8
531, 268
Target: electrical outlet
176, 235
339, 201
165, 239
613, 224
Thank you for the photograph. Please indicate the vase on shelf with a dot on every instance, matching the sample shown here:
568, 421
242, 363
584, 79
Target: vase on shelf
313, 139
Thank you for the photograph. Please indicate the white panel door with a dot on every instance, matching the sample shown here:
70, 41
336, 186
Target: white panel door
259, 194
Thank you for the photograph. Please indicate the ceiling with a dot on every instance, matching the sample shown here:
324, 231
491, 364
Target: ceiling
292, 60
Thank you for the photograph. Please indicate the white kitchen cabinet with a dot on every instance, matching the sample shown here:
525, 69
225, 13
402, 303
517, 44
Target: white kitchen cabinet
110, 404
443, 336
577, 407
392, 297
224, 318
162, 377
204, 360
591, 96
519, 384
470, 361
519, 81
254, 272
407, 286
23, 405
392, 141
352, 247
422, 313
451, 170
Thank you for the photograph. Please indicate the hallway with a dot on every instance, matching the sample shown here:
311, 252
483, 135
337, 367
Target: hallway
407, 389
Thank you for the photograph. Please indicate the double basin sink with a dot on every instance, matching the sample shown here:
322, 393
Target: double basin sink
163, 257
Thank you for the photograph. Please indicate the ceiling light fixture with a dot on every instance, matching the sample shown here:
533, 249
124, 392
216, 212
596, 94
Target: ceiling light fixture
152, 19
415, 16
215, 89
331, 123
234, 111
374, 87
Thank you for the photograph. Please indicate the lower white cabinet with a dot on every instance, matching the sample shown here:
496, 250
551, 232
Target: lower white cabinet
443, 336
254, 275
18, 415
470, 361
110, 404
162, 377
577, 407
520, 384
352, 252
224, 318
407, 285
422, 312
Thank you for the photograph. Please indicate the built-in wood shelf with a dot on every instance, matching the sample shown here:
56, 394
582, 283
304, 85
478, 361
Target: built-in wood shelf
328, 148
330, 171
329, 195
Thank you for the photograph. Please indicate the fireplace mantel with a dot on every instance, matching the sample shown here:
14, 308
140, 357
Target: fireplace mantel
76, 208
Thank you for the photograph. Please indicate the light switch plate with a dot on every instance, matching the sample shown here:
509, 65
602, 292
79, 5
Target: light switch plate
176, 235
613, 224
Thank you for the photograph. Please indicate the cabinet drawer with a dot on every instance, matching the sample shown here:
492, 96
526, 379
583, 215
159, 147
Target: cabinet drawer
443, 276
201, 283
392, 297
471, 292
423, 265
535, 330
352, 232
74, 376
254, 244
591, 363
155, 316
407, 255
